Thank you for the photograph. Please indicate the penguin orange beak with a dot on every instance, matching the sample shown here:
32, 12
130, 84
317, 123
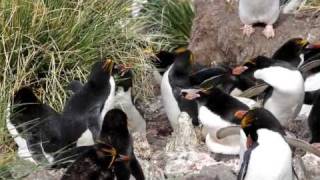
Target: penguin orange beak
245, 120
240, 114
314, 45
239, 70
108, 66
190, 94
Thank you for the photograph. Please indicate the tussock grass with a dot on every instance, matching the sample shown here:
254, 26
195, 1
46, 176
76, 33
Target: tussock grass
171, 20
311, 4
47, 43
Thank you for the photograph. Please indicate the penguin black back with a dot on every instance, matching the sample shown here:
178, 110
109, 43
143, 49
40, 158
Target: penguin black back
28, 117
221, 104
112, 157
81, 112
179, 79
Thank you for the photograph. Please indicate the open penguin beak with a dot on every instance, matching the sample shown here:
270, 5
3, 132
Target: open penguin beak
108, 66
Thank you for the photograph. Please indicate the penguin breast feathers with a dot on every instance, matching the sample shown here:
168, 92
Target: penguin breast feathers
271, 159
282, 79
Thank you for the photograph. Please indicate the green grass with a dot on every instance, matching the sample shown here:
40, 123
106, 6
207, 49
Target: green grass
171, 20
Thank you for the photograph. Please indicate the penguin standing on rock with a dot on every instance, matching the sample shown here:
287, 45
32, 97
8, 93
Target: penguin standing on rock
112, 157
259, 11
268, 155
285, 94
175, 79
216, 109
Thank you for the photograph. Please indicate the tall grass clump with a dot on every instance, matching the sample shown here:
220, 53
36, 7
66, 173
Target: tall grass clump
171, 20
315, 3
47, 43
310, 4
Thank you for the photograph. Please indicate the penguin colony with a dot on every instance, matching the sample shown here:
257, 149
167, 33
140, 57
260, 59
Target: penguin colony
91, 136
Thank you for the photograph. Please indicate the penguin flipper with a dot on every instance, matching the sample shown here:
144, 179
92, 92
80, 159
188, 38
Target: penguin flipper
255, 90
305, 68
204, 74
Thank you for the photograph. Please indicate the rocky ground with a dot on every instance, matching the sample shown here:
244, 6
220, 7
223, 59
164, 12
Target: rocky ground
179, 155
185, 162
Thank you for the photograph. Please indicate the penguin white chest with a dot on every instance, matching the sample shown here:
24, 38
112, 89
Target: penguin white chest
212, 123
169, 102
271, 159
109, 101
287, 97
23, 150
123, 100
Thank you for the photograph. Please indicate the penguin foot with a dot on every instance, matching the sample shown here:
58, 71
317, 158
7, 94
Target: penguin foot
268, 32
247, 30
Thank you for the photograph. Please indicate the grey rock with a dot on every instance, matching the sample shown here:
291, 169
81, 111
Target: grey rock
217, 172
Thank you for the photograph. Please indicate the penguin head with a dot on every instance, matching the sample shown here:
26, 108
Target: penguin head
101, 72
258, 118
251, 65
114, 121
123, 76
291, 49
183, 60
25, 95
163, 60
